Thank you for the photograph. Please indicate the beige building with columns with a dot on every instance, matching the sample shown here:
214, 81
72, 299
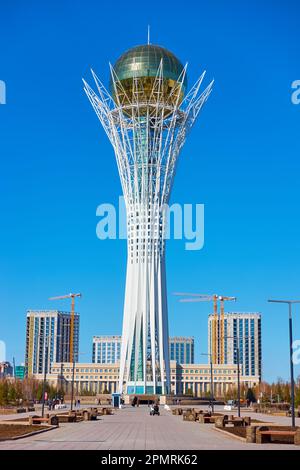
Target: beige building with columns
196, 377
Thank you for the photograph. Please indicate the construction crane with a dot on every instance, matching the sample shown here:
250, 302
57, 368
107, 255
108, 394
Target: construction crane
72, 297
217, 349
206, 298
222, 335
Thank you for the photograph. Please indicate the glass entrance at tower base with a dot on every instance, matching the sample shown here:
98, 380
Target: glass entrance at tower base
139, 388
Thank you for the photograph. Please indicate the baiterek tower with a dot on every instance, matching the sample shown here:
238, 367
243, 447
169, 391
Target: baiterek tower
146, 116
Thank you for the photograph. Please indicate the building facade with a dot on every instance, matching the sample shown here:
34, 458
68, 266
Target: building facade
241, 333
48, 339
107, 349
185, 378
182, 349
146, 117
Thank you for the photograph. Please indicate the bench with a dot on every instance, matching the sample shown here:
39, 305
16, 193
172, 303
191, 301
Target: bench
79, 415
265, 434
189, 416
177, 411
86, 415
39, 420
239, 421
204, 418
69, 418
97, 412
52, 420
223, 421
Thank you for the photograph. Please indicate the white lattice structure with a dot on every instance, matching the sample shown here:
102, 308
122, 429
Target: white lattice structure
147, 131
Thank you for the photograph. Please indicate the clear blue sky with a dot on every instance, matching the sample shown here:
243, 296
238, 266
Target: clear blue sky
241, 160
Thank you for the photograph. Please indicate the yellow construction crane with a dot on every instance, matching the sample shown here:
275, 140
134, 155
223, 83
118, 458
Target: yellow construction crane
217, 340
222, 298
72, 297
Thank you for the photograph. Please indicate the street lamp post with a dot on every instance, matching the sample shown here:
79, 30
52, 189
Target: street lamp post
73, 379
290, 302
46, 360
72, 386
237, 349
72, 342
238, 380
45, 376
211, 381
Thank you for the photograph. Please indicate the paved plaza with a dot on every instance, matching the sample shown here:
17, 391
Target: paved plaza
134, 429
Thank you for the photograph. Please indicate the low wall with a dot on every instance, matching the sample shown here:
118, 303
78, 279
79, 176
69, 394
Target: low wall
105, 398
185, 400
